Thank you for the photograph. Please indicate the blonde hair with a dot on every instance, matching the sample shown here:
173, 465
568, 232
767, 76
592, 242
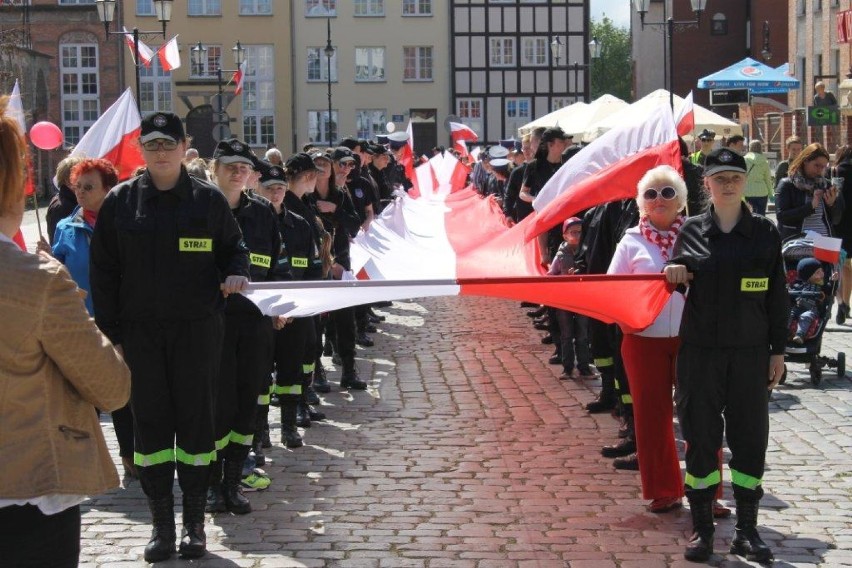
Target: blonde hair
63, 169
661, 176
13, 160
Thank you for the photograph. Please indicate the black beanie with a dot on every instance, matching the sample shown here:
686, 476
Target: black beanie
807, 267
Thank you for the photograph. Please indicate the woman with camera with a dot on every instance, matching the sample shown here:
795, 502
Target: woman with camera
806, 201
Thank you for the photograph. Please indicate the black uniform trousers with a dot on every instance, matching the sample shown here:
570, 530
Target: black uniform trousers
344, 336
246, 366
713, 383
174, 367
295, 351
606, 352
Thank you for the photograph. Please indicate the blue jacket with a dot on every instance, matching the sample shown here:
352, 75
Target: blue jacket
71, 248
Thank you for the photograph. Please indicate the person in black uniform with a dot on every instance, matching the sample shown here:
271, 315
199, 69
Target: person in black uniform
165, 254
247, 348
732, 334
339, 218
379, 171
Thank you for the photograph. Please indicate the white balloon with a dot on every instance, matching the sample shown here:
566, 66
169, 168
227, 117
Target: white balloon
390, 126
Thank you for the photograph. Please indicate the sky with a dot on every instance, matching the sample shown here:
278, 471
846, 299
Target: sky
616, 10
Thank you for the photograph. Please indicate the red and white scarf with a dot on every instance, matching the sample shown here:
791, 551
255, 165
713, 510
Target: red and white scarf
663, 239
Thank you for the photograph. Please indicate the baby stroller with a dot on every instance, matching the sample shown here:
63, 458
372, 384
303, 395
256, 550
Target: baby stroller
793, 250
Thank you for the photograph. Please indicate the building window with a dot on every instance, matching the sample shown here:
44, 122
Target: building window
369, 8
255, 7
209, 66
719, 25
534, 51
469, 110
205, 8
518, 113
417, 62
318, 64
259, 95
72, 2
370, 123
369, 64
416, 7
318, 126
561, 102
78, 71
320, 8
155, 88
145, 8
502, 52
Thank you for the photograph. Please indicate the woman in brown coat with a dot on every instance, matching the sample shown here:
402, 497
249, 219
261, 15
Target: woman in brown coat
55, 369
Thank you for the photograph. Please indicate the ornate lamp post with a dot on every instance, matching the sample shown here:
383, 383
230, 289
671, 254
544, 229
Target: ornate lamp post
329, 53
199, 56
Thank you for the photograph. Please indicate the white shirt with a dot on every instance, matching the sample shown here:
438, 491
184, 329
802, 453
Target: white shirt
636, 255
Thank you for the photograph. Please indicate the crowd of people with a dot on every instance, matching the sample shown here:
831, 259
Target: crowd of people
159, 261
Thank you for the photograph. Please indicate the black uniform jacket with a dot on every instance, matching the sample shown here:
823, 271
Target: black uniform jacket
259, 225
304, 244
792, 206
343, 224
737, 297
161, 255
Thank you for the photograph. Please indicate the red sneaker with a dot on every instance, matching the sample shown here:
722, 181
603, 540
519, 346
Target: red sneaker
665, 504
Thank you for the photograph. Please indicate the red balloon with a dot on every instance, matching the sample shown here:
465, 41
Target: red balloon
46, 135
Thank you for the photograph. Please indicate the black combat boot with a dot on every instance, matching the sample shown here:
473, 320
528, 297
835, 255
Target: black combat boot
349, 379
626, 445
235, 501
289, 434
215, 500
320, 380
303, 419
747, 541
194, 542
606, 398
162, 543
700, 547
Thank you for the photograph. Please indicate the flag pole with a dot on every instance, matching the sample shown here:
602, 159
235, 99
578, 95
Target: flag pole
35, 199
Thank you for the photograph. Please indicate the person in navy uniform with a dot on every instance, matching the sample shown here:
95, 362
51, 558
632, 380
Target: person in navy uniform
166, 252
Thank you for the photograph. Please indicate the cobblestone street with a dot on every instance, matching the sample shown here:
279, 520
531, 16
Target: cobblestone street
467, 451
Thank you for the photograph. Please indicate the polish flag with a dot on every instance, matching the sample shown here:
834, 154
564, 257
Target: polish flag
239, 78
460, 134
115, 137
16, 109
169, 55
145, 55
685, 119
827, 249
607, 170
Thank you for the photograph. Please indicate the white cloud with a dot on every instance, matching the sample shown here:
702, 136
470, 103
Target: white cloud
616, 10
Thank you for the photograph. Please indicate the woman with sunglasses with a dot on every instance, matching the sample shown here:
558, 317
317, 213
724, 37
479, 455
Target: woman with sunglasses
733, 334
649, 355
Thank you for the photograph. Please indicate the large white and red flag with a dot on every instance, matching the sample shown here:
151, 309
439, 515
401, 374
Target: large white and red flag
145, 54
460, 134
685, 119
240, 77
169, 55
115, 137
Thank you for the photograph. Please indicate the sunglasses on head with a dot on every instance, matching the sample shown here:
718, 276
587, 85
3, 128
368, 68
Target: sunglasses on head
154, 145
666, 193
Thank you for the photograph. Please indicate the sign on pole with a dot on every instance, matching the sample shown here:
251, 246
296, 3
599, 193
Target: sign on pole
823, 116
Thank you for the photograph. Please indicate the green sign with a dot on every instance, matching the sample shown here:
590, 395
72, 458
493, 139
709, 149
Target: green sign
823, 116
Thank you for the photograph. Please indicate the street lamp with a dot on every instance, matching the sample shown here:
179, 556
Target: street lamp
329, 53
669, 24
556, 51
766, 52
199, 56
106, 14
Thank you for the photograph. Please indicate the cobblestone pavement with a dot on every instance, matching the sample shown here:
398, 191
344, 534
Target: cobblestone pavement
467, 451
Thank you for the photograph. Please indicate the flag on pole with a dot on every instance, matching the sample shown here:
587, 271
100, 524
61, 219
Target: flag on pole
460, 134
239, 78
685, 120
169, 55
16, 109
115, 137
145, 55
827, 249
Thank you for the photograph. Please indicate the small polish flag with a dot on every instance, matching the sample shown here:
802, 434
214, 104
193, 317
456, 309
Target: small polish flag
170, 55
145, 55
827, 249
685, 120
239, 78
460, 134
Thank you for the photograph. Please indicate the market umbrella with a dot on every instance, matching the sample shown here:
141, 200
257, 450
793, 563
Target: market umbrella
750, 74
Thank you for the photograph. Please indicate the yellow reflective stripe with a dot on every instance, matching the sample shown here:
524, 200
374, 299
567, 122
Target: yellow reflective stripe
754, 284
147, 460
202, 459
309, 368
292, 389
241, 439
260, 260
617, 384
263, 400
744, 480
604, 362
626, 399
221, 443
714, 478
195, 245
299, 262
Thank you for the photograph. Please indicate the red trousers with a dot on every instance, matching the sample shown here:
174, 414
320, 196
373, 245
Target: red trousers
650, 366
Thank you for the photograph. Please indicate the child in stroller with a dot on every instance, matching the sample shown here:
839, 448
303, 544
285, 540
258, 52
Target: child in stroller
808, 294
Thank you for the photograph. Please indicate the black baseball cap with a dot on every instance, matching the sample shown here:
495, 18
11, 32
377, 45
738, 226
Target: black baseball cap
555, 133
270, 174
723, 160
342, 154
299, 163
317, 154
707, 134
234, 151
350, 142
162, 125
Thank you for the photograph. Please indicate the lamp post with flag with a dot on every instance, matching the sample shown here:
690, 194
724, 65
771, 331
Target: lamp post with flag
199, 56
163, 11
